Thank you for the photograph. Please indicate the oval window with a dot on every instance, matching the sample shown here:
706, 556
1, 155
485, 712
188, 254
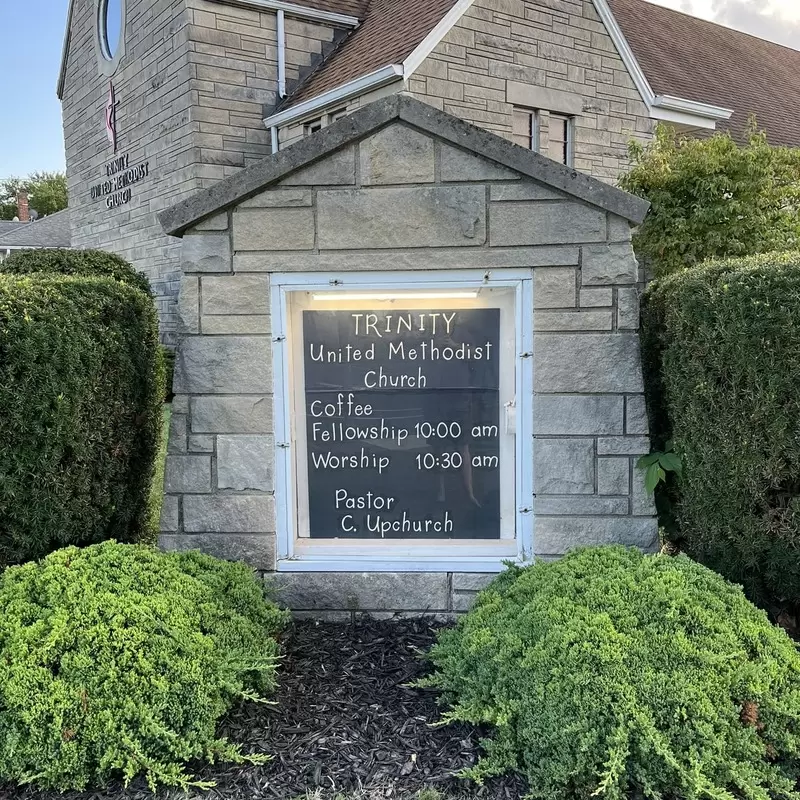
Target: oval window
110, 27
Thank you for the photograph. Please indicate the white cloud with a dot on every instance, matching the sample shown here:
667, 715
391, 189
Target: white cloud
777, 20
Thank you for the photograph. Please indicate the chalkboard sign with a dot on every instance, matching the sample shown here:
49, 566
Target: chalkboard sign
403, 423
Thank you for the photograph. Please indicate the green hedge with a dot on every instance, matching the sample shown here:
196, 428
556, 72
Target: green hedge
721, 349
96, 263
117, 660
81, 386
617, 675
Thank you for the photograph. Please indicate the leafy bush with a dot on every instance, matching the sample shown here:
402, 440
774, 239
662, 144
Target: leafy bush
81, 386
117, 660
722, 360
614, 674
713, 198
95, 263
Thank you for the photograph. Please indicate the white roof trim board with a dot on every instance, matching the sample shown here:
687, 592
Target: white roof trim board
297, 10
429, 43
330, 99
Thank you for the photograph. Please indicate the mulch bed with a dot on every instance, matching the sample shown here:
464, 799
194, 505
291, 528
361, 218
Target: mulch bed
344, 721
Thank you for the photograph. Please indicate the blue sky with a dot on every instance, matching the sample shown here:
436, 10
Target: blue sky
30, 114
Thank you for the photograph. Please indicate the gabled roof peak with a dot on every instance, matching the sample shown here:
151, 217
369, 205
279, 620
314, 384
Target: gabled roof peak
357, 126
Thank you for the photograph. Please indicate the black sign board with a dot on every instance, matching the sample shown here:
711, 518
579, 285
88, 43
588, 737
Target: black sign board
403, 423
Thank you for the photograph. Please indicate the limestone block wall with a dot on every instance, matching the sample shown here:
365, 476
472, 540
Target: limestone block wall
554, 55
192, 88
234, 68
153, 124
401, 199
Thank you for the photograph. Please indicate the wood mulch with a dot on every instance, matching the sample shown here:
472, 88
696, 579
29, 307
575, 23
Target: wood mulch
344, 720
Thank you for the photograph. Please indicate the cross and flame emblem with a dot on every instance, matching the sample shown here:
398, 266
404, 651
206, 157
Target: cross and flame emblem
111, 116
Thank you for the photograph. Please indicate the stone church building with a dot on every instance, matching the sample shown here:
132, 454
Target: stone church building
198, 89
385, 237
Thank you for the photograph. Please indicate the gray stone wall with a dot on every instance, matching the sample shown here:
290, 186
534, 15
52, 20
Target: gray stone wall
154, 125
553, 55
401, 199
233, 53
192, 88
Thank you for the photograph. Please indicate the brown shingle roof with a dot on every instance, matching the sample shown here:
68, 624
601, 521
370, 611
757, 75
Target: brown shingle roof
698, 60
353, 8
389, 33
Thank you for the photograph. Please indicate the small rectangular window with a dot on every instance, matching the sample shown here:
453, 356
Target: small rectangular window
559, 140
338, 114
526, 131
312, 126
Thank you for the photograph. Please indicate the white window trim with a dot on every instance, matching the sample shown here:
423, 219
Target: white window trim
400, 557
570, 143
535, 137
107, 63
324, 121
535, 130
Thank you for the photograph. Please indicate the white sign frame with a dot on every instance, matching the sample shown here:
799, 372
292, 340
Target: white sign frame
293, 553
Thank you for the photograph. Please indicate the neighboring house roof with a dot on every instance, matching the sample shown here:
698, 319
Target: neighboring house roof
252, 180
50, 231
389, 32
6, 226
689, 57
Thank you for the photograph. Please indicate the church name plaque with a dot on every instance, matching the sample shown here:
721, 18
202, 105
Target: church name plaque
121, 175
403, 423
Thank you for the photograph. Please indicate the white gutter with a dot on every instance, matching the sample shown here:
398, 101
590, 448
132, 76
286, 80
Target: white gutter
664, 107
281, 26
273, 135
316, 105
691, 107
297, 10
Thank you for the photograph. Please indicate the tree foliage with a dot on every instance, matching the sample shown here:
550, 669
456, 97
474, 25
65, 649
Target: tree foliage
47, 193
712, 198
616, 675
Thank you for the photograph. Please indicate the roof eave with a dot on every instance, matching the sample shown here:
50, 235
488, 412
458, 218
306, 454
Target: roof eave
662, 106
298, 10
317, 105
693, 107
177, 219
62, 72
